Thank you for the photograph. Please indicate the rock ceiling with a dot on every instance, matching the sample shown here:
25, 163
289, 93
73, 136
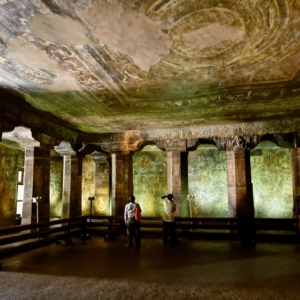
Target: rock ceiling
113, 66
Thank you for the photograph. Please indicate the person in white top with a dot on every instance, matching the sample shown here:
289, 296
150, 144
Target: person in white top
132, 225
168, 220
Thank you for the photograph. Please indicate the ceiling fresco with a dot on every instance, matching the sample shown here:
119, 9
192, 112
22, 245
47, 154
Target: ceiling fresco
114, 66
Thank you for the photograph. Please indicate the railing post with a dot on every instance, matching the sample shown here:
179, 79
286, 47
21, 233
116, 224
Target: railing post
68, 240
84, 235
110, 235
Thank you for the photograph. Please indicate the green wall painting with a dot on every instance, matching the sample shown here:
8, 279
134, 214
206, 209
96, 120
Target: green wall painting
150, 179
88, 184
56, 180
272, 181
207, 177
10, 160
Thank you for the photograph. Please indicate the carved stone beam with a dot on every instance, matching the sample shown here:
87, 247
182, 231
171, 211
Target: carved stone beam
286, 140
192, 144
237, 143
46, 141
85, 149
125, 146
175, 145
129, 136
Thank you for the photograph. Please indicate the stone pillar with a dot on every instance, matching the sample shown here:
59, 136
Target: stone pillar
122, 181
295, 159
37, 177
72, 181
36, 184
177, 170
102, 184
121, 170
240, 193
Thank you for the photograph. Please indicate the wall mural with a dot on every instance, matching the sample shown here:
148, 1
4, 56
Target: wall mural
9, 159
56, 179
150, 180
208, 182
272, 181
88, 183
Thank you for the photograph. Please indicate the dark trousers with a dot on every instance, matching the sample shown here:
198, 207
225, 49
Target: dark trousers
133, 231
169, 232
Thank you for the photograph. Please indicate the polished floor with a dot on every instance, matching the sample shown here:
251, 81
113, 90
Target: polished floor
195, 269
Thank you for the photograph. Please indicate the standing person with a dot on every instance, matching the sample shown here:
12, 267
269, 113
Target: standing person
168, 220
132, 225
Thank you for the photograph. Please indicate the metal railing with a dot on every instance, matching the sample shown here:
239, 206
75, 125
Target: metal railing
23, 237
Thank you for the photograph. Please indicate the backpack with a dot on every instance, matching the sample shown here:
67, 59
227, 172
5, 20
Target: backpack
137, 213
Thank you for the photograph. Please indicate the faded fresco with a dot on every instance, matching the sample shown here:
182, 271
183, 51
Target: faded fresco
150, 179
10, 160
56, 182
272, 181
88, 184
207, 176
102, 195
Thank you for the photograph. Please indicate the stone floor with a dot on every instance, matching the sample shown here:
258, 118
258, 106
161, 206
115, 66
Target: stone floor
195, 269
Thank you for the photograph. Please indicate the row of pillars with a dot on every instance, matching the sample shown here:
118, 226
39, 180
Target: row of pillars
117, 173
37, 185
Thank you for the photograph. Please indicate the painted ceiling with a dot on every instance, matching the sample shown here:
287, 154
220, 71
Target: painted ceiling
114, 66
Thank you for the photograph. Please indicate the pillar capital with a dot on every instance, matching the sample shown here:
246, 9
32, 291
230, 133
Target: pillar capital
100, 157
171, 145
64, 149
287, 140
237, 142
21, 136
120, 147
